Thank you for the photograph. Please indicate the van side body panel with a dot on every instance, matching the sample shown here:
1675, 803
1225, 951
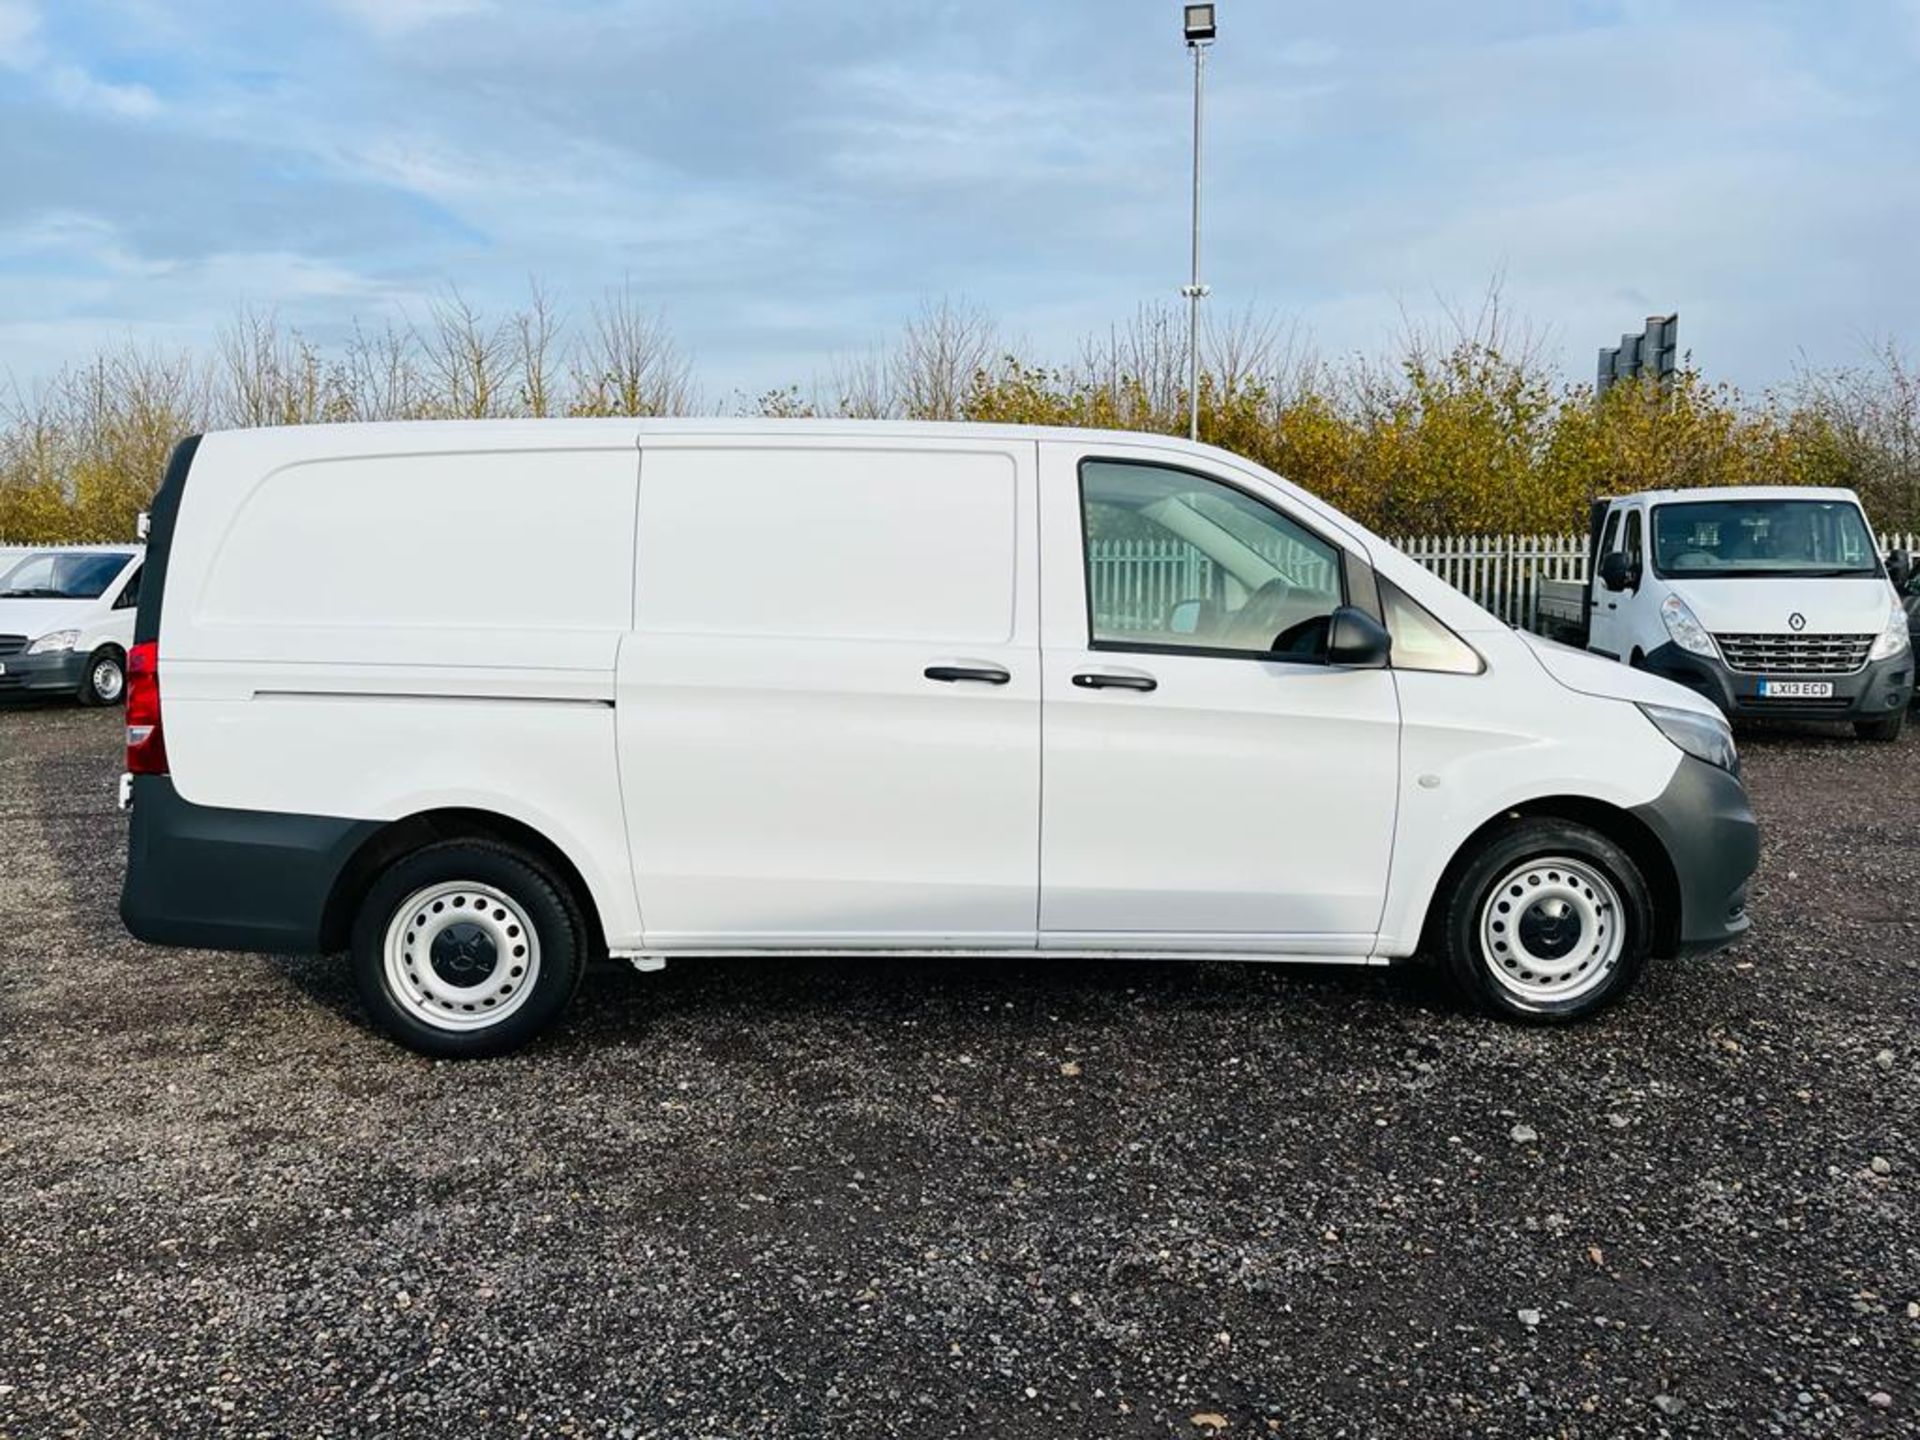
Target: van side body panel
795, 774
1476, 746
364, 623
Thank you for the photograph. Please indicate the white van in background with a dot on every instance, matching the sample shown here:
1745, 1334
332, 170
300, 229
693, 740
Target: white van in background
1771, 601
66, 620
536, 691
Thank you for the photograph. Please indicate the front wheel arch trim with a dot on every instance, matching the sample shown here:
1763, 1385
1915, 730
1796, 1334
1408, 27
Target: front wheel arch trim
1622, 827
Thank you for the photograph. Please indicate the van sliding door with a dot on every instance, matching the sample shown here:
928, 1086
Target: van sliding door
829, 704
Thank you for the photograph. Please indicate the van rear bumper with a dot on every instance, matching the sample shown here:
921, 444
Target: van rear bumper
216, 879
1883, 687
1705, 821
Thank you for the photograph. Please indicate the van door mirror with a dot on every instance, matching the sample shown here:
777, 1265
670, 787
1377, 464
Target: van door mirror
1616, 571
1356, 640
1900, 569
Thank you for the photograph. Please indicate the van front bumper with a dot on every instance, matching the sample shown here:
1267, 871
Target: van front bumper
216, 879
61, 670
1883, 687
1705, 822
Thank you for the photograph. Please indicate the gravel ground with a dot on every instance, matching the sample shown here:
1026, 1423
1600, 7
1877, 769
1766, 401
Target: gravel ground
871, 1197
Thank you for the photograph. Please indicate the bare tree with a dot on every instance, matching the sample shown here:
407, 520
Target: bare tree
861, 386
535, 331
473, 366
379, 375
270, 375
1140, 366
1871, 418
627, 363
1246, 349
946, 347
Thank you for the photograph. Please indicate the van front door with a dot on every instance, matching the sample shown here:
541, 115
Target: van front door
1210, 781
829, 705
1609, 619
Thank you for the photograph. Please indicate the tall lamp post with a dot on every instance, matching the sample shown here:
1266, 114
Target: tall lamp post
1200, 31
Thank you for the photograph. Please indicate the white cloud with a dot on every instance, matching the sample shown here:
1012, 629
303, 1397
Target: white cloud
22, 49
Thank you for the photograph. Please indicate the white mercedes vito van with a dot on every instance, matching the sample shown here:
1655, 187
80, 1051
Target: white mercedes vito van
478, 701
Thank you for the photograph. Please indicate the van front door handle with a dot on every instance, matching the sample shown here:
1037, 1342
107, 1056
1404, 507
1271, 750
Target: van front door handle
984, 674
1097, 681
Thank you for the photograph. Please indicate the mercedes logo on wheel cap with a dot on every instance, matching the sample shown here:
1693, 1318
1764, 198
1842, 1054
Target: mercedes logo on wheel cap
1797, 620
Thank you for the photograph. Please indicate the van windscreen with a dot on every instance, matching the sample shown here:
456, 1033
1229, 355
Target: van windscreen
62, 575
1700, 539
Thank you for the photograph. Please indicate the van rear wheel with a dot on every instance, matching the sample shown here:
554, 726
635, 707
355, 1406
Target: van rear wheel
467, 948
1549, 923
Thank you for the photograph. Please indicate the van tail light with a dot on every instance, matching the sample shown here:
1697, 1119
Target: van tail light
146, 740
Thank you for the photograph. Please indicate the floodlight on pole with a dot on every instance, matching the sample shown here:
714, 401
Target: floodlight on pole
1200, 29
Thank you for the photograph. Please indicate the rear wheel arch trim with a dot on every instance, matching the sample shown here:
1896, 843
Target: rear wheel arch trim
397, 839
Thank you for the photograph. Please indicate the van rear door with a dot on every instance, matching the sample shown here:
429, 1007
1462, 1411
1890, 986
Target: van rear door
829, 705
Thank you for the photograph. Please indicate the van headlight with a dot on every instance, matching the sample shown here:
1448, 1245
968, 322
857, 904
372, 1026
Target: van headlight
1687, 632
1893, 640
54, 641
1705, 737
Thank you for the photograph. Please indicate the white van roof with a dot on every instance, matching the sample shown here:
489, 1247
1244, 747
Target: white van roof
416, 435
1739, 492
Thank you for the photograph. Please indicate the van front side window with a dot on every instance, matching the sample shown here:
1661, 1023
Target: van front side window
1176, 559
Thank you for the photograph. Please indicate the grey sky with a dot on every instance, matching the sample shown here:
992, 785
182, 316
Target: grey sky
789, 180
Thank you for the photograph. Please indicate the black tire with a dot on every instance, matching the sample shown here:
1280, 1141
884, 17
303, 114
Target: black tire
1496, 863
1886, 728
559, 949
105, 680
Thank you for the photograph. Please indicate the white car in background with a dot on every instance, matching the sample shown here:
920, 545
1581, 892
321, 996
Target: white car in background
66, 620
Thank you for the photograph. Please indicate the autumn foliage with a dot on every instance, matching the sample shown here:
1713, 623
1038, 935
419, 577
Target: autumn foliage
1463, 430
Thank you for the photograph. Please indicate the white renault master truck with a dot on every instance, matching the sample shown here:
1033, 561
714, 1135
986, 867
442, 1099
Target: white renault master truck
540, 691
66, 621
1771, 601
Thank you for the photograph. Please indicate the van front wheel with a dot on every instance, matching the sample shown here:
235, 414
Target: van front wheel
1883, 728
467, 948
1550, 923
105, 682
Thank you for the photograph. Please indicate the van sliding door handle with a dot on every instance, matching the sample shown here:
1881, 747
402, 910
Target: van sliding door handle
985, 674
1097, 681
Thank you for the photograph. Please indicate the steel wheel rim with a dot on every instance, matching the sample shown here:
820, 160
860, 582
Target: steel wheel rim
108, 680
1552, 932
461, 956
